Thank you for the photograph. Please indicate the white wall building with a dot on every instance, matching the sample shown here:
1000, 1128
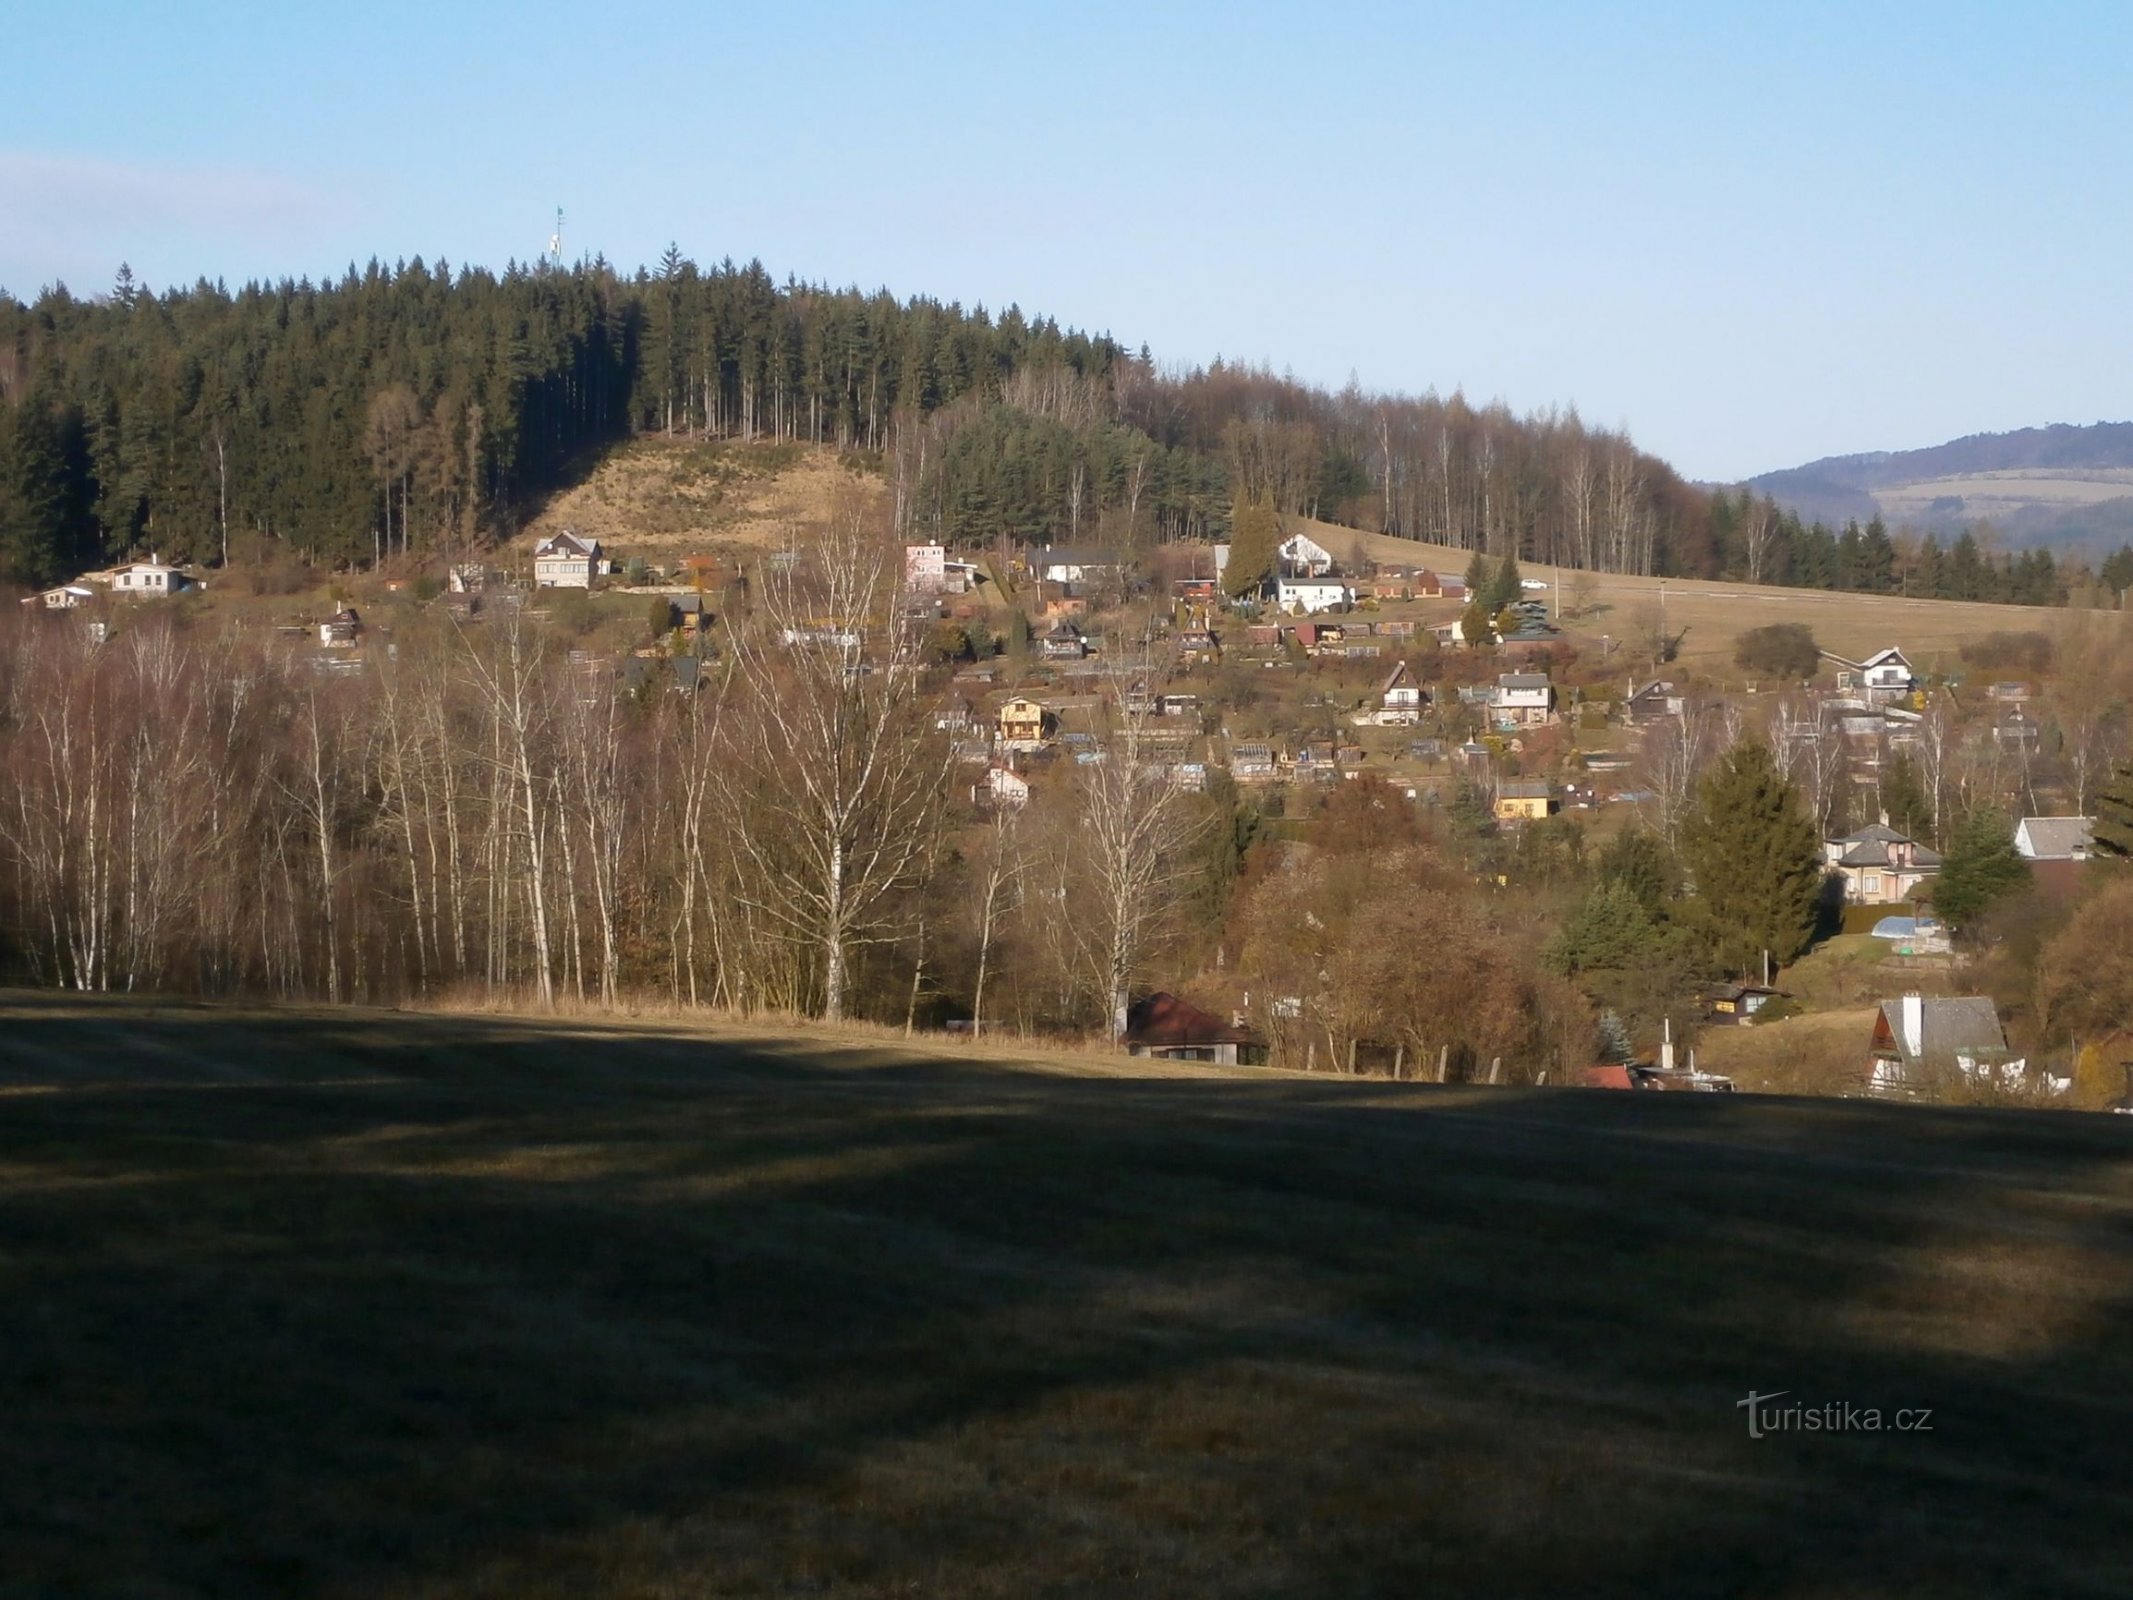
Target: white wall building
1311, 595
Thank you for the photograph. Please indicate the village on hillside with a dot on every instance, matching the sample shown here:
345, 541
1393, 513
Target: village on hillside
1487, 707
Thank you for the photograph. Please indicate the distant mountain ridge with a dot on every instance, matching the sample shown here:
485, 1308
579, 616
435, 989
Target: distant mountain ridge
2060, 486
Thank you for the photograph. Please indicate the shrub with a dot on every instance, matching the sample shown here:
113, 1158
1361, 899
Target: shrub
2010, 652
1780, 649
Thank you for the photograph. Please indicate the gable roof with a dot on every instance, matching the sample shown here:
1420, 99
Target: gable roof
1965, 1024
567, 543
1163, 1020
2055, 838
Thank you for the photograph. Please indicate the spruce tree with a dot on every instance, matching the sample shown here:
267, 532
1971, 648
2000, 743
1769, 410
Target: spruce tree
1506, 586
1478, 577
1903, 798
1756, 859
2114, 816
1254, 546
1982, 868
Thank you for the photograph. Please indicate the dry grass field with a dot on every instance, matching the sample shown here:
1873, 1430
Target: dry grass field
1713, 616
665, 498
346, 1303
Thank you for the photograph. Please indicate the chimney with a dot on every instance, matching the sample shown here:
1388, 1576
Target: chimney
1914, 1025
1666, 1045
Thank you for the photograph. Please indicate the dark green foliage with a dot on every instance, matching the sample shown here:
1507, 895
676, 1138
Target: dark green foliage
1255, 544
1779, 649
2114, 816
1756, 859
1608, 928
1478, 578
1504, 585
408, 407
1982, 867
1551, 850
2117, 570
1904, 799
1639, 861
1477, 624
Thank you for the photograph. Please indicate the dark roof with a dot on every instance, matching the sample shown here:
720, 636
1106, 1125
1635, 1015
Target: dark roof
1968, 1024
1163, 1019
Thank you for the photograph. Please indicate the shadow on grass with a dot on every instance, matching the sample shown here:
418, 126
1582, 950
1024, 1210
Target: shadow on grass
349, 1303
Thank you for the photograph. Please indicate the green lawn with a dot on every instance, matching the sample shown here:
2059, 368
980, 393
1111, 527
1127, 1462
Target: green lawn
351, 1303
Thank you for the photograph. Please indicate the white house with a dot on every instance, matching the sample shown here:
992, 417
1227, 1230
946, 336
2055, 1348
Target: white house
1522, 700
1884, 675
926, 567
2055, 838
64, 598
1399, 702
1060, 564
1004, 787
145, 579
565, 561
1304, 557
1310, 595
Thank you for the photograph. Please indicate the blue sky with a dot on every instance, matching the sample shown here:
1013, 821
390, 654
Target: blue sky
1752, 235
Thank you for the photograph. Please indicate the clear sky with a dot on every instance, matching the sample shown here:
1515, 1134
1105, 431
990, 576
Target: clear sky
1752, 234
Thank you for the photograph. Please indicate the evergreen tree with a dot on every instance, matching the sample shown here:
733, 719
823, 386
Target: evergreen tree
2117, 573
1903, 799
1478, 576
1506, 586
1608, 928
1638, 860
1877, 559
2114, 816
1254, 547
1982, 867
1756, 860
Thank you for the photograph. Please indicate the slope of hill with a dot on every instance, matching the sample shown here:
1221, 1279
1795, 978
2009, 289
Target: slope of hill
664, 498
345, 1302
1711, 615
2060, 485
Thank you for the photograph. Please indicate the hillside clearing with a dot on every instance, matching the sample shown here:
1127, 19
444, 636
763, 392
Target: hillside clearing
360, 1303
665, 498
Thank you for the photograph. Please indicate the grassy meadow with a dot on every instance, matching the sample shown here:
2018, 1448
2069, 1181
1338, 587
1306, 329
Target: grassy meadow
1711, 616
341, 1303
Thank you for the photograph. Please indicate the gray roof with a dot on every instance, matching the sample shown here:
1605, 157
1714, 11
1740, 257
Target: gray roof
1523, 680
1875, 853
1525, 789
1967, 1024
2059, 838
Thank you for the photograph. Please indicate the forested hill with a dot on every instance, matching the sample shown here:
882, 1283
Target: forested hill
417, 410
416, 407
2057, 485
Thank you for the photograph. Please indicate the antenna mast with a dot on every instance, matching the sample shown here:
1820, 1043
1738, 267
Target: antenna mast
555, 241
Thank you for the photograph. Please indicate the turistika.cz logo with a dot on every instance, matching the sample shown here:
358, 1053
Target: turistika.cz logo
1766, 1416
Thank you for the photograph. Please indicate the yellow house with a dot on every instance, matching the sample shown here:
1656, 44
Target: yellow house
1524, 800
1021, 722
